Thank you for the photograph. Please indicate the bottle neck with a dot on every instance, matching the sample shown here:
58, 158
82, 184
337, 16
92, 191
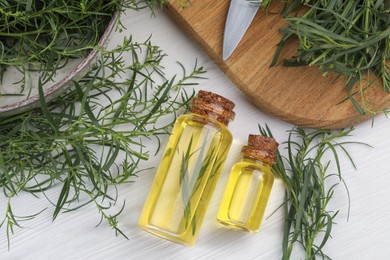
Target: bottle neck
248, 159
204, 118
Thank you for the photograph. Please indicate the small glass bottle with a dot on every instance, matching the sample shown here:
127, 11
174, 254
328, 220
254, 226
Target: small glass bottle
189, 170
249, 185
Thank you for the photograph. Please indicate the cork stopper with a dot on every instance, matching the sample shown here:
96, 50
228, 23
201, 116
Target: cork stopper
261, 148
213, 105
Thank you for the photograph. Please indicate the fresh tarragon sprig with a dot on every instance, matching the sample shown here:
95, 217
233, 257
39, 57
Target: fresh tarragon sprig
91, 139
310, 186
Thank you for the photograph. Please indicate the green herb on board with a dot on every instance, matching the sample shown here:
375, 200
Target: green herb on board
349, 37
91, 139
309, 187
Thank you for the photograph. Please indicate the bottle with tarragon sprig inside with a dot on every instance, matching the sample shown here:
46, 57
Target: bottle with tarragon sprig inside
187, 175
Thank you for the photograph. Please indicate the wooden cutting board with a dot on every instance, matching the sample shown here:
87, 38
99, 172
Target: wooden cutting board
299, 95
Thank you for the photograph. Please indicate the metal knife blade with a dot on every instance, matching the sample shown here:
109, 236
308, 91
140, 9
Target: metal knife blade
240, 16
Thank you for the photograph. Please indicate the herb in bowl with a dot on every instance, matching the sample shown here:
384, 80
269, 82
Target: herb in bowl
43, 35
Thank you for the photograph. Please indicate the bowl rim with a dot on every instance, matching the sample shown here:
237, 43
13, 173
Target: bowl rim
59, 87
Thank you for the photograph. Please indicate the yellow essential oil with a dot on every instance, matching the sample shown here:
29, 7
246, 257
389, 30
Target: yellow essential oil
189, 170
249, 185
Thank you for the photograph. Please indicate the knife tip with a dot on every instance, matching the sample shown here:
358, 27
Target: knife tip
226, 54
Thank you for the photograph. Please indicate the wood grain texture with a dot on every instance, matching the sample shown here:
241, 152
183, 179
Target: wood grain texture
299, 95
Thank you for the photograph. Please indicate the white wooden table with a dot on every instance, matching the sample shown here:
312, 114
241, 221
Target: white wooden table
366, 235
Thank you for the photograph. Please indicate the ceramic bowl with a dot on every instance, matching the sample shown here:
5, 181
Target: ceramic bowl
16, 105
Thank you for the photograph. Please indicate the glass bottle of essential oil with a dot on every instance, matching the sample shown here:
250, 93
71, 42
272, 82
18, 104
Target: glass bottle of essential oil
189, 170
249, 185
